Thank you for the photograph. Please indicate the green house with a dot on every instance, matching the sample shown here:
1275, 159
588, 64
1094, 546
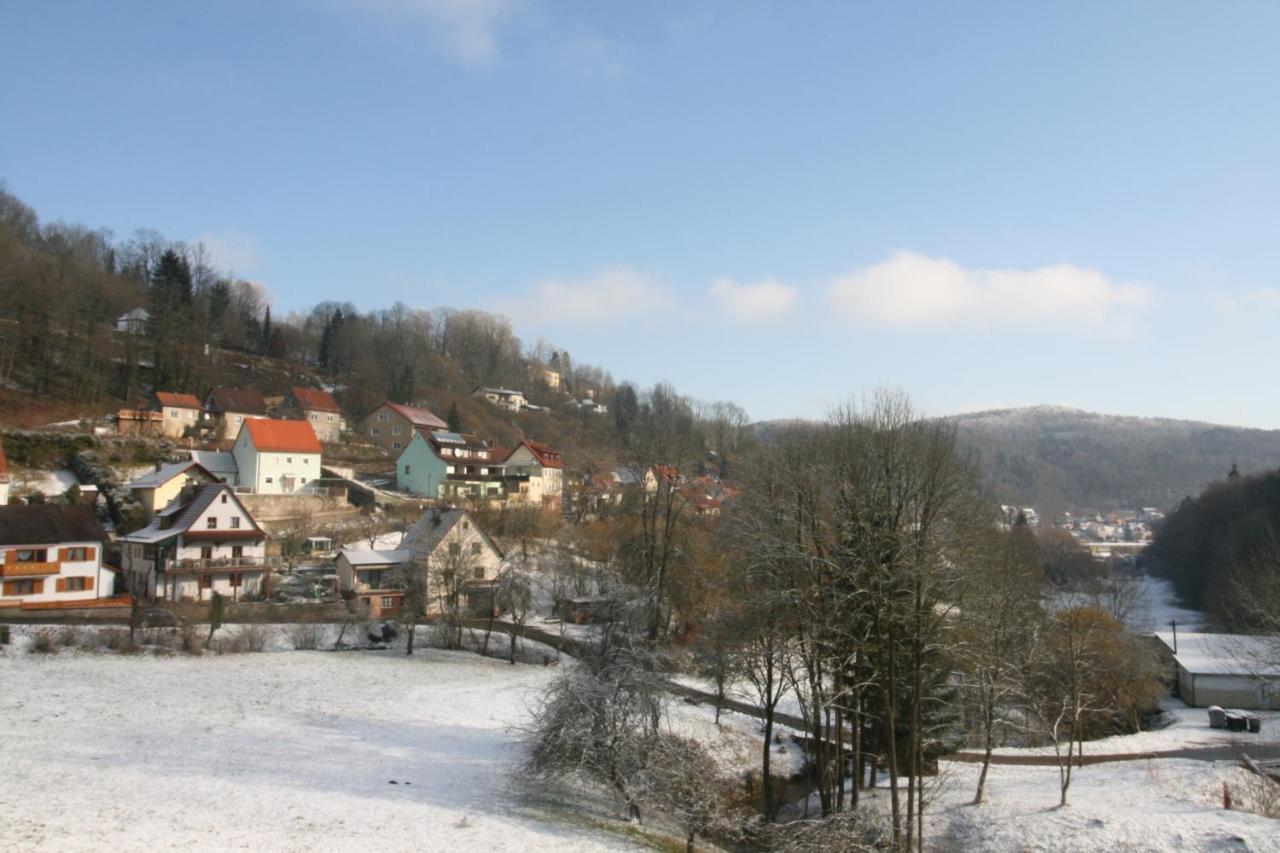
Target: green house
419, 470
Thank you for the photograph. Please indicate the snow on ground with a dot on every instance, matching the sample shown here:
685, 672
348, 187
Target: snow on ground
291, 751
1153, 806
1160, 604
48, 483
384, 542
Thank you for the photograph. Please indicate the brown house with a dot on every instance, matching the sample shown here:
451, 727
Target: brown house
317, 407
228, 408
391, 426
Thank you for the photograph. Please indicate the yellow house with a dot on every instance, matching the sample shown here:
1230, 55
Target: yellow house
156, 488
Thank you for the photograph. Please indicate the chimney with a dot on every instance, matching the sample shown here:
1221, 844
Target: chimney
158, 465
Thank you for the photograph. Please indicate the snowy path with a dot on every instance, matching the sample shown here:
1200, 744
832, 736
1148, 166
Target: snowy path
292, 751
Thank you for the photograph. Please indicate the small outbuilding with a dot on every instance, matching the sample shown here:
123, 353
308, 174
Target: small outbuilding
1230, 670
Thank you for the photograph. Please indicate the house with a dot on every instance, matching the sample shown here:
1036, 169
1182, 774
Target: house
535, 474
155, 489
374, 579
134, 322
203, 541
391, 425
276, 457
51, 553
503, 398
219, 463
4, 477
458, 554
1231, 670
178, 413
319, 409
228, 408
451, 466
551, 378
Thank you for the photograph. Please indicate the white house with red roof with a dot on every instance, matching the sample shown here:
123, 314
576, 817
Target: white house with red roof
178, 413
203, 541
319, 409
534, 474
276, 457
391, 426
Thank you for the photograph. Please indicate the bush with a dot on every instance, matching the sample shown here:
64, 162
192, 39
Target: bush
44, 641
250, 638
117, 640
68, 636
306, 636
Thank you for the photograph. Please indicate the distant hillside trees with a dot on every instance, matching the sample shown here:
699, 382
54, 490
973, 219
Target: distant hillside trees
1220, 550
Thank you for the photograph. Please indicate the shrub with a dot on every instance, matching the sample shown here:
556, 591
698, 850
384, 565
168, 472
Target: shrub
306, 636
44, 641
68, 636
117, 640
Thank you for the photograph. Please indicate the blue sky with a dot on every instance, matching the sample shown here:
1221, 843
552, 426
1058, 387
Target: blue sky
780, 204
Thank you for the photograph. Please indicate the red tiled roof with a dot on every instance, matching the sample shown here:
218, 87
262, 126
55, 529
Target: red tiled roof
282, 436
314, 400
546, 457
418, 417
177, 401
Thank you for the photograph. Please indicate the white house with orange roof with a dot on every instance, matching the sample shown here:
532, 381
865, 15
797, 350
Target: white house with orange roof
276, 457
534, 473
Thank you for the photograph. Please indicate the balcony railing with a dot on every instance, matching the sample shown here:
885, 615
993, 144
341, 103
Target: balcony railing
26, 570
221, 564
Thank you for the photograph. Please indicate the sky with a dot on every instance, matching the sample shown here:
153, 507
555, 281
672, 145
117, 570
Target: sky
780, 204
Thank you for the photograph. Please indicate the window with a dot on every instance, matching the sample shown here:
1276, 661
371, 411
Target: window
206, 552
395, 430
466, 525
475, 547
33, 555
455, 548
382, 416
204, 582
173, 413
77, 555
235, 522
27, 587
235, 579
212, 522
329, 418
75, 584
388, 601
268, 479
375, 432
406, 470
288, 460
224, 498
373, 579
395, 445
479, 575
237, 551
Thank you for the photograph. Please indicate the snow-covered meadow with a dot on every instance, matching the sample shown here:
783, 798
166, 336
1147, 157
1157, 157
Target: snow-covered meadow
285, 751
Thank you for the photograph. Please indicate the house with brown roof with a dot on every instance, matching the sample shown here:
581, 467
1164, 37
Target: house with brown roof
203, 541
178, 413
51, 554
276, 457
391, 426
4, 476
228, 408
534, 473
317, 407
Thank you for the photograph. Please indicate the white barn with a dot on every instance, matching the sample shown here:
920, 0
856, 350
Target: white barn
1230, 670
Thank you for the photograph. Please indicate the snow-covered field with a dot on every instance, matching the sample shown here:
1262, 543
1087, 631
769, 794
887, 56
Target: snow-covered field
284, 751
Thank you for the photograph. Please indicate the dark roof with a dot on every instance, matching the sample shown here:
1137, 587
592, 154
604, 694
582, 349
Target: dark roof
165, 473
246, 401
420, 418
46, 524
430, 530
313, 400
186, 509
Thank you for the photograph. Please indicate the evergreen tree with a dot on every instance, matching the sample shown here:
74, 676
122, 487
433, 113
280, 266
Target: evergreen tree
264, 335
454, 419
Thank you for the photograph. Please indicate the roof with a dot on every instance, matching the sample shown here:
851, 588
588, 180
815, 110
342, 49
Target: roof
1226, 654
315, 400
246, 401
45, 524
430, 530
165, 473
217, 462
186, 509
4, 464
177, 401
136, 314
543, 453
460, 440
505, 392
417, 417
282, 436
361, 559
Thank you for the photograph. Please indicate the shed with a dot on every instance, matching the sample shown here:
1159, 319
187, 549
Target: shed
1231, 670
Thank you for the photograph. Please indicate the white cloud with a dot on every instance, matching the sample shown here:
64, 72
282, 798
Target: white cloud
467, 30
754, 302
232, 251
910, 290
611, 296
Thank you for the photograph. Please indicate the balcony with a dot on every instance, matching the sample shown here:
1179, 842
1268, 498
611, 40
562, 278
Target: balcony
27, 570
222, 564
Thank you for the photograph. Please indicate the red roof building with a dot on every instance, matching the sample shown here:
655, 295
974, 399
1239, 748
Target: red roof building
282, 436
170, 399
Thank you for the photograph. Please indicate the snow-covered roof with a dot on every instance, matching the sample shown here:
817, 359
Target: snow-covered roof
165, 473
361, 559
1225, 654
216, 462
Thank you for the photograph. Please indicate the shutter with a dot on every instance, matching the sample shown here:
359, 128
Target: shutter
64, 554
61, 586
88, 583
10, 588
89, 553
